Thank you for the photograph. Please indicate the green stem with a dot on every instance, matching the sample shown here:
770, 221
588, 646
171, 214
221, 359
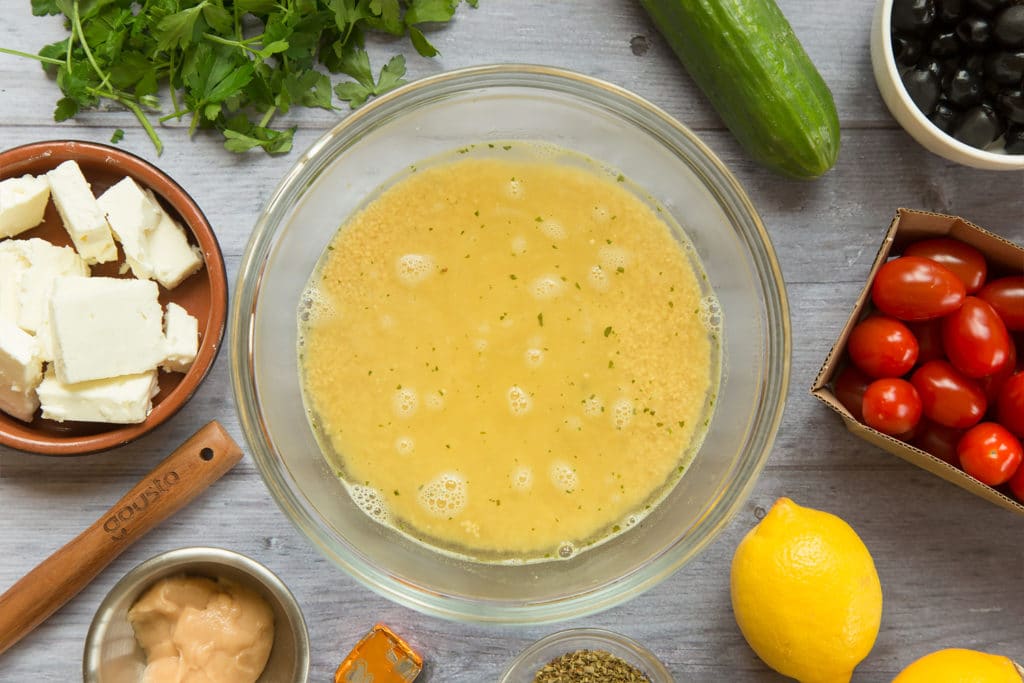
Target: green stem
267, 117
76, 24
177, 113
135, 109
38, 58
174, 91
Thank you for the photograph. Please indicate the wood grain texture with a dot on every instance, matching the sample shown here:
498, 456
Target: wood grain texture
952, 566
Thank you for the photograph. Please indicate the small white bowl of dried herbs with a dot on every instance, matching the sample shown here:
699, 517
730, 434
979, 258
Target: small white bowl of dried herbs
586, 654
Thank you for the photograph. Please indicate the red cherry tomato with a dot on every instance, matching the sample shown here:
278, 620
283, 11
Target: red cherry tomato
938, 440
989, 453
1006, 295
891, 406
975, 339
947, 396
1017, 484
1010, 405
928, 334
993, 384
849, 389
915, 288
882, 347
966, 262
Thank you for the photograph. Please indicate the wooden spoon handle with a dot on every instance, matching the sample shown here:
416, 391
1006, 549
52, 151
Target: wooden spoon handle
174, 483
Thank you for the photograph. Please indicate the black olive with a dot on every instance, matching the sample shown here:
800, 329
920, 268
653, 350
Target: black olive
944, 44
950, 11
987, 6
964, 89
975, 63
923, 87
979, 126
1011, 105
907, 50
1009, 28
913, 16
945, 117
976, 32
1005, 67
933, 65
1015, 140
991, 88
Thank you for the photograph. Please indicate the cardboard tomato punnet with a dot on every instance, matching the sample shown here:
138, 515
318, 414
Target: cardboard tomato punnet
911, 226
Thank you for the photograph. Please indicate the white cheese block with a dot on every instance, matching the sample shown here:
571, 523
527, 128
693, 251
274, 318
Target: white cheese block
105, 327
118, 400
132, 216
22, 203
82, 216
181, 334
12, 265
168, 254
45, 264
21, 370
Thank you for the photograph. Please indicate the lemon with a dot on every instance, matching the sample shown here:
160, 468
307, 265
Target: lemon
806, 594
960, 666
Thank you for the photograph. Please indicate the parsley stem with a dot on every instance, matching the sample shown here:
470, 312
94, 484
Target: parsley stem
126, 101
76, 24
38, 58
266, 117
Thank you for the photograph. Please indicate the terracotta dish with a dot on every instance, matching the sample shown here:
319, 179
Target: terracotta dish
204, 294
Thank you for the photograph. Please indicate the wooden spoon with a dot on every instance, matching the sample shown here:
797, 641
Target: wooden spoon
173, 484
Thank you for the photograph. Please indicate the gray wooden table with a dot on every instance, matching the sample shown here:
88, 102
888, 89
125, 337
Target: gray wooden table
951, 565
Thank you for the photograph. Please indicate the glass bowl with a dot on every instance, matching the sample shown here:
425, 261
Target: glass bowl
440, 114
525, 667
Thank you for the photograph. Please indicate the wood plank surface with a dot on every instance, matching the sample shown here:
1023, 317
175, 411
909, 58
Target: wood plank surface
951, 565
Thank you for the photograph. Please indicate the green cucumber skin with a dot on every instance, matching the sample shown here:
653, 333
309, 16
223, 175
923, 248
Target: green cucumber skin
745, 57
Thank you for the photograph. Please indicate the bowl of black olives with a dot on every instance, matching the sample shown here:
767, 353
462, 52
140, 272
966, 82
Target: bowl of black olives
952, 74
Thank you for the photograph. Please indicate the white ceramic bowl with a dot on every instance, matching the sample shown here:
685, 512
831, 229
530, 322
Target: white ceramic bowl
903, 109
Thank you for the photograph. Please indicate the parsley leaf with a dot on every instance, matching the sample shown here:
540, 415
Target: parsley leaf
358, 91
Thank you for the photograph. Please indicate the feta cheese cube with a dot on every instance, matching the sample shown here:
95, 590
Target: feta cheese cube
13, 264
20, 372
22, 203
132, 216
118, 400
169, 255
82, 216
181, 332
45, 264
105, 327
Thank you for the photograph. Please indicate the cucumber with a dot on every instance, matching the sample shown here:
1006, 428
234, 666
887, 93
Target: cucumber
745, 57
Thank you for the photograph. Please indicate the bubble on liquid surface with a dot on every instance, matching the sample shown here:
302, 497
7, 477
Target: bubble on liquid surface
515, 189
534, 357
600, 213
445, 495
622, 413
552, 229
519, 401
480, 344
405, 445
371, 502
573, 423
546, 287
521, 478
563, 476
315, 306
593, 406
566, 550
405, 402
434, 400
518, 245
597, 278
612, 257
710, 313
413, 269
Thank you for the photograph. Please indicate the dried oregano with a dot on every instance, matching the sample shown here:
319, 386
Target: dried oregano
589, 666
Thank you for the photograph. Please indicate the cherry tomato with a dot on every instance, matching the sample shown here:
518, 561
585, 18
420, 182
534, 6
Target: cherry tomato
947, 396
1010, 405
975, 339
989, 453
938, 440
882, 347
966, 262
891, 406
928, 334
915, 288
993, 384
1017, 484
1006, 295
849, 390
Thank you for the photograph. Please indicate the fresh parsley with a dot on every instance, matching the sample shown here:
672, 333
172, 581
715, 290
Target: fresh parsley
229, 65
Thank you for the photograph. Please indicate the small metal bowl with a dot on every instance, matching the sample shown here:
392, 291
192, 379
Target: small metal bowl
113, 656
525, 667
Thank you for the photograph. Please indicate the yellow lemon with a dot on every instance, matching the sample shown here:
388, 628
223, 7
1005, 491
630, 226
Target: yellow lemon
960, 666
806, 594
